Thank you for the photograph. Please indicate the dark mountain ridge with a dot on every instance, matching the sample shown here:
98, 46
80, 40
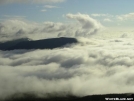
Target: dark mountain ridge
6, 45
103, 97
37, 44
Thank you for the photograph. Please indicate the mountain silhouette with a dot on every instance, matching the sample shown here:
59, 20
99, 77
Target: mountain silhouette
26, 43
103, 97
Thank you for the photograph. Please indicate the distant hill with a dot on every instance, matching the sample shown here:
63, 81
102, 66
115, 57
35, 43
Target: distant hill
6, 45
105, 97
25, 43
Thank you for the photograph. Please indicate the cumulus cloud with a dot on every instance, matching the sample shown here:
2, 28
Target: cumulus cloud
29, 1
88, 24
85, 20
90, 67
129, 16
13, 28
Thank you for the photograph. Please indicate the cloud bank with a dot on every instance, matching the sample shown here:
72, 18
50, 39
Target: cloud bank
85, 26
95, 66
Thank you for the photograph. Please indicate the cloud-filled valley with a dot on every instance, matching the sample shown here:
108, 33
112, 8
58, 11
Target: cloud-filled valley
66, 50
93, 66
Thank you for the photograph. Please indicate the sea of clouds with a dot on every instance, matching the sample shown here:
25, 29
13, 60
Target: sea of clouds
83, 25
92, 66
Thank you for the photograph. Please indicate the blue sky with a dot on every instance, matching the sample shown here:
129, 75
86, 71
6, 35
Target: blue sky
32, 11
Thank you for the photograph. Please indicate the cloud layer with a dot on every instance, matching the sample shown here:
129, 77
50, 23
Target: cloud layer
86, 26
94, 66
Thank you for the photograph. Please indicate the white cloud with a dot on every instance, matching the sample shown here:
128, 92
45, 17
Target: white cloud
101, 15
43, 10
50, 6
86, 26
30, 1
90, 25
13, 29
107, 20
90, 67
119, 18
129, 16
97, 15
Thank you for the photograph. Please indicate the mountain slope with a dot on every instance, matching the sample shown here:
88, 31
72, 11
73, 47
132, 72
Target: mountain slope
104, 97
37, 44
6, 45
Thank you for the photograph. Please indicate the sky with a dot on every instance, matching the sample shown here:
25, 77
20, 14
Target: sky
104, 54
115, 16
40, 11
